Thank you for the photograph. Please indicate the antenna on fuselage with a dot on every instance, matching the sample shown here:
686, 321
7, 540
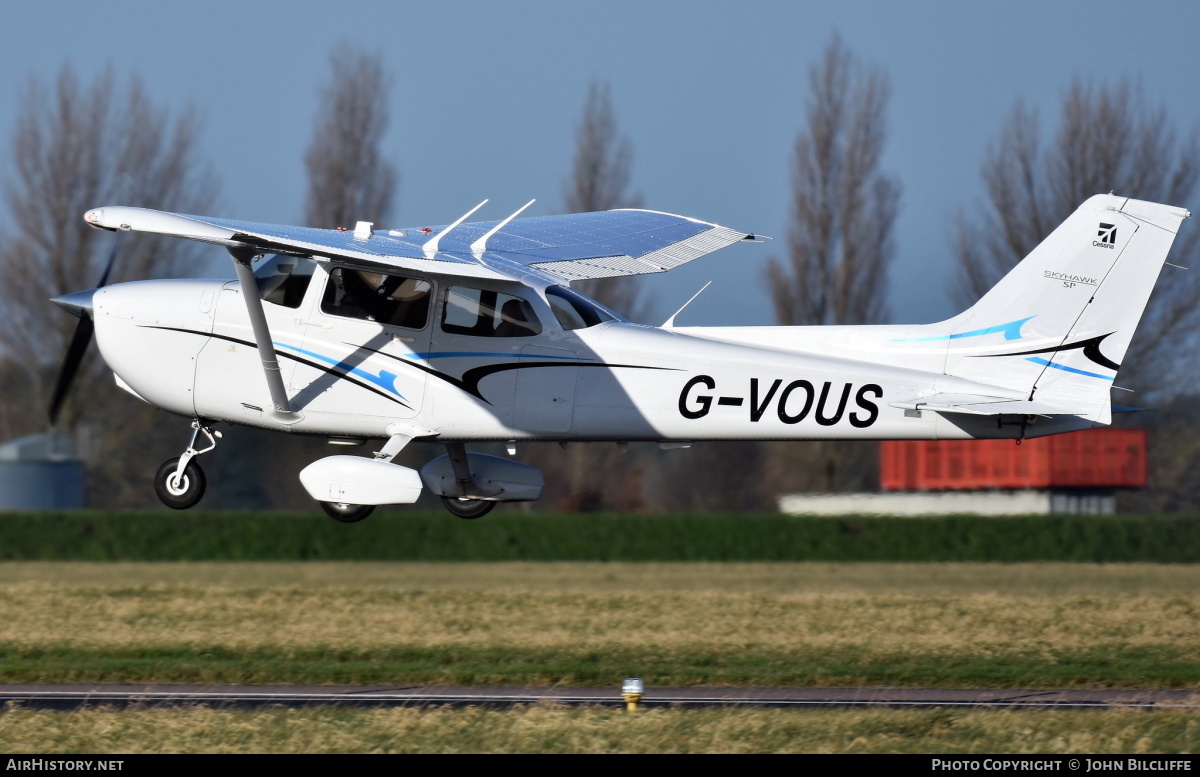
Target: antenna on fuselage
480, 245
670, 322
431, 247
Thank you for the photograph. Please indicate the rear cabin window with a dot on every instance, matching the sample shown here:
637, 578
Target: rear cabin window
388, 299
485, 313
575, 311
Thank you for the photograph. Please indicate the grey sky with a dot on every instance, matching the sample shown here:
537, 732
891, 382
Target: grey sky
486, 96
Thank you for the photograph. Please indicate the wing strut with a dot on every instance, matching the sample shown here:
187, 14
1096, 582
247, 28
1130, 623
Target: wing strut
262, 333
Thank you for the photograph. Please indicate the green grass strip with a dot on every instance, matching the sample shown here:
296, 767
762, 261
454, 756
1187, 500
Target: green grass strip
510, 535
1112, 666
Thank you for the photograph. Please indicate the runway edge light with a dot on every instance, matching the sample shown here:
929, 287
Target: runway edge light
631, 691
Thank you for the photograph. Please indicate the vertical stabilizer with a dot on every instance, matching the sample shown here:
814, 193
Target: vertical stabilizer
1059, 324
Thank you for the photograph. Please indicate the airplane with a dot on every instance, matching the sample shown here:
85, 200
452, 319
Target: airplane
470, 332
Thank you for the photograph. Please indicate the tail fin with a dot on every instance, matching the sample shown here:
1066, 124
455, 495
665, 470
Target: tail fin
1059, 324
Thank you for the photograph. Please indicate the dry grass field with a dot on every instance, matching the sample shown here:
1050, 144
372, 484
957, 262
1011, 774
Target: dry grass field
944, 625
558, 730
961, 625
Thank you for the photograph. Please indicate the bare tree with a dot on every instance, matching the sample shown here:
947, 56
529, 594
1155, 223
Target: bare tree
1110, 138
843, 206
349, 180
78, 146
601, 171
589, 477
600, 176
839, 246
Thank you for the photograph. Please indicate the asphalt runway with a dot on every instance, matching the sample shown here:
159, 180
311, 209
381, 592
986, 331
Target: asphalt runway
70, 697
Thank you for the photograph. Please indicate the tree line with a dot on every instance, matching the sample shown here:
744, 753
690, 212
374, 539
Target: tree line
77, 144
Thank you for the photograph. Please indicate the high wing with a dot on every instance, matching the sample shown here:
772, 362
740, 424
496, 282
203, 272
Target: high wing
562, 248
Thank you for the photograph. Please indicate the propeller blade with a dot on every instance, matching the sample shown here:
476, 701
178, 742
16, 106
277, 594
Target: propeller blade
81, 339
112, 258
66, 375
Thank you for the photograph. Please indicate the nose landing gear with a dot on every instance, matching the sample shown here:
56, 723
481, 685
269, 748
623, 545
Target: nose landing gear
179, 491
180, 482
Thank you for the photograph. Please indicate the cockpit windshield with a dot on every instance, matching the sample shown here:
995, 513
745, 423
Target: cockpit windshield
282, 280
575, 311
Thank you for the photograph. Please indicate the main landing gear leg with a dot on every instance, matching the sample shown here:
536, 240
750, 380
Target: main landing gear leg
180, 482
464, 506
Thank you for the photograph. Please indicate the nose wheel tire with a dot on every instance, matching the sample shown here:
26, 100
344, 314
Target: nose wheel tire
181, 494
346, 512
467, 508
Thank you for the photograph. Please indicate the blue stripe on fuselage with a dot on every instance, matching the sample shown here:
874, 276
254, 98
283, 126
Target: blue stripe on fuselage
1065, 368
483, 354
385, 380
1011, 330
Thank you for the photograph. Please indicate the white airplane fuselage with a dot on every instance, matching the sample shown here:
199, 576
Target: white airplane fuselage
470, 332
186, 346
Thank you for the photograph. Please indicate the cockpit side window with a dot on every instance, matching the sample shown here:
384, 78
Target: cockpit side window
282, 280
388, 299
486, 313
575, 311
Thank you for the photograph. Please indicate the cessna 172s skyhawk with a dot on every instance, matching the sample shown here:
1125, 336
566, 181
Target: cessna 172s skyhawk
471, 332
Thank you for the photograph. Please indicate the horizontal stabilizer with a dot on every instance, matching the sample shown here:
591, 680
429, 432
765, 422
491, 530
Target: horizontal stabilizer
978, 404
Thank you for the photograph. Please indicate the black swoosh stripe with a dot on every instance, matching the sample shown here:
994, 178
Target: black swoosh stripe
471, 378
468, 383
1091, 349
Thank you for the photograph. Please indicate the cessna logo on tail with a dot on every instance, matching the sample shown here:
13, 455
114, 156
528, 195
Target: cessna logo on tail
1107, 235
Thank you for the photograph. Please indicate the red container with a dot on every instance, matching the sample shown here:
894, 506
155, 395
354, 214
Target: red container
1095, 458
